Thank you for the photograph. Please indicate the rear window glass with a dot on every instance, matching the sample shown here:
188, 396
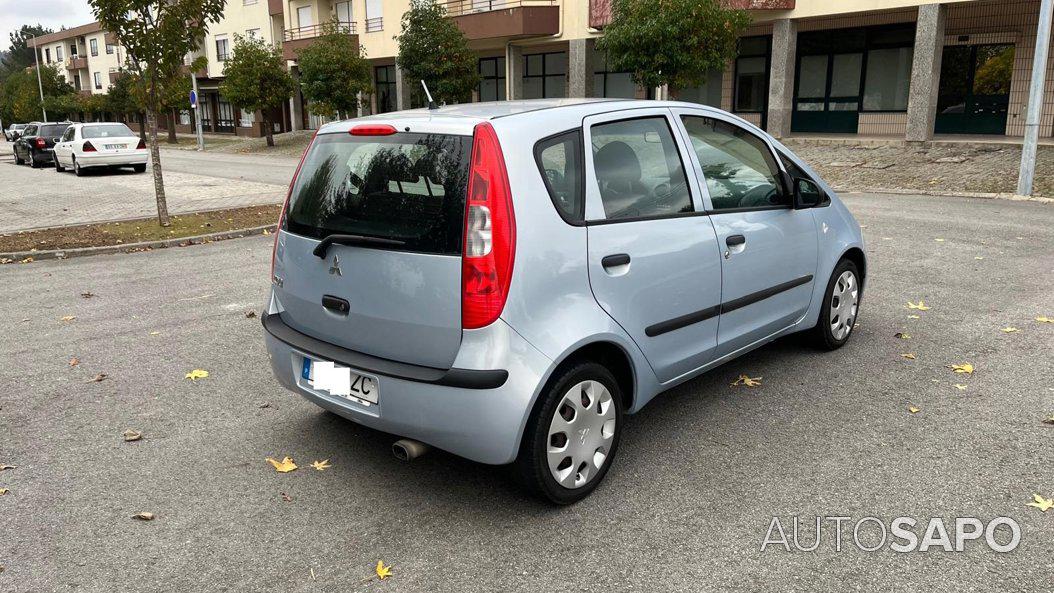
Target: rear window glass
52, 131
406, 187
107, 131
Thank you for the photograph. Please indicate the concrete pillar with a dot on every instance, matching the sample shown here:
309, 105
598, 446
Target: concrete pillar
781, 77
580, 67
513, 72
402, 90
925, 72
296, 108
358, 105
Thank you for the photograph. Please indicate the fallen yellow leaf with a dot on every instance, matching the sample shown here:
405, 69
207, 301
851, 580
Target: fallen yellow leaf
321, 465
747, 381
939, 240
1043, 504
69, 318
921, 305
1009, 330
6, 466
902, 336
960, 387
383, 571
908, 356
4, 491
155, 333
196, 374
284, 466
132, 435
914, 410
962, 368
1047, 420
914, 317
978, 257
1044, 319
144, 516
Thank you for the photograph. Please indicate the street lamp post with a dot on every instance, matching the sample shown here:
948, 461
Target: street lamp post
40, 85
1035, 101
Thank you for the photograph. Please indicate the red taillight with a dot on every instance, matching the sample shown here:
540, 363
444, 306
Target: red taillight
88, 147
41, 143
490, 233
142, 145
285, 205
372, 130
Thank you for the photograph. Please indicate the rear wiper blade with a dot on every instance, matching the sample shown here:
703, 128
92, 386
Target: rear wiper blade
363, 240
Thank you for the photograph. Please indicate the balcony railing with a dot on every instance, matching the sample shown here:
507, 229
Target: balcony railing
313, 31
375, 24
76, 63
463, 7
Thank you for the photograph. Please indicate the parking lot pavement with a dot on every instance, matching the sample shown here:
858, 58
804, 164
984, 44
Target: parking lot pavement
686, 506
36, 198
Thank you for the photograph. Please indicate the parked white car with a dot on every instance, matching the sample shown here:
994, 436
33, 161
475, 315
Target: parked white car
102, 144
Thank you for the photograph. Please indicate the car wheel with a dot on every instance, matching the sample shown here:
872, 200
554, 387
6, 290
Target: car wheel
77, 168
139, 168
33, 163
841, 303
572, 436
59, 168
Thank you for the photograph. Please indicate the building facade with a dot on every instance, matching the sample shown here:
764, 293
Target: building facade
88, 57
897, 68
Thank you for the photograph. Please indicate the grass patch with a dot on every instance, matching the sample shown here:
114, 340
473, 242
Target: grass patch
139, 230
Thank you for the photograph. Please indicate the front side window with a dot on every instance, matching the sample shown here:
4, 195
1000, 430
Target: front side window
638, 169
560, 160
739, 168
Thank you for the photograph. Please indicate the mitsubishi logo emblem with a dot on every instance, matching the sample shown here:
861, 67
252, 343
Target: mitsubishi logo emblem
335, 268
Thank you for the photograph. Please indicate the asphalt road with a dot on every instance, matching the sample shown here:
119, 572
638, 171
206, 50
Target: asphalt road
686, 506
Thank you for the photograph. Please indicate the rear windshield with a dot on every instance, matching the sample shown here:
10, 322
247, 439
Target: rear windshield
406, 187
52, 131
107, 131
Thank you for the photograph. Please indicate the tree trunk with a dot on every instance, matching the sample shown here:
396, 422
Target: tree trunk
155, 162
142, 126
269, 130
172, 127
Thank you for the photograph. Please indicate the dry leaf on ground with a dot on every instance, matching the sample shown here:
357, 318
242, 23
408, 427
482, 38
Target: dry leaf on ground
74, 361
144, 516
4, 491
250, 314
962, 368
131, 435
747, 381
383, 571
68, 318
321, 465
908, 355
1047, 420
196, 374
1043, 504
902, 336
6, 466
88, 294
1009, 330
1045, 319
284, 466
960, 387
914, 410
921, 305
97, 378
914, 317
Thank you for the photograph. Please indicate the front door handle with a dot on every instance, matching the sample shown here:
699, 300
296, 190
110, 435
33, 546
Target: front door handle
618, 259
734, 240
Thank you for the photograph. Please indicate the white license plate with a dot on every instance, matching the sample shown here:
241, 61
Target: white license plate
113, 146
338, 380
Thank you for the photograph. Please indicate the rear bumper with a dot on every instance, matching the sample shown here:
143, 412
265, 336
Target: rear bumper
477, 413
111, 160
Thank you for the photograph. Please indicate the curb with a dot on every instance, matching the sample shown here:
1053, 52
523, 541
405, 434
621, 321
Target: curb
18, 256
945, 194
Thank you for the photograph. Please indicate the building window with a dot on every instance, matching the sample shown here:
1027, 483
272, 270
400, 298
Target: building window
248, 119
612, 84
58, 53
93, 44
344, 14
752, 75
545, 75
73, 50
303, 17
384, 77
222, 49
249, 2
47, 55
708, 92
224, 115
492, 79
374, 16
98, 80
109, 48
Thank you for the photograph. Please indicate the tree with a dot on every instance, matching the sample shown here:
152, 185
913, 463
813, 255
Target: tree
20, 95
333, 72
671, 42
20, 54
157, 36
432, 48
256, 79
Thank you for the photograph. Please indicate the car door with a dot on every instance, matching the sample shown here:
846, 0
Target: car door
768, 249
65, 145
654, 263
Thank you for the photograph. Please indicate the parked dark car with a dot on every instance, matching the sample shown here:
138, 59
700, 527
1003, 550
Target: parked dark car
13, 131
37, 143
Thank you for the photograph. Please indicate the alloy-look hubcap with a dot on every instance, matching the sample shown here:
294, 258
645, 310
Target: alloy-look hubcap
581, 434
845, 296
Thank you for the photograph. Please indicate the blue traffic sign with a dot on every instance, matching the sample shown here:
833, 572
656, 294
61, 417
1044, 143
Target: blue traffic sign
193, 99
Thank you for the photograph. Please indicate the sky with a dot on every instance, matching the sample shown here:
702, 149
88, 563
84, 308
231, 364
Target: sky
53, 14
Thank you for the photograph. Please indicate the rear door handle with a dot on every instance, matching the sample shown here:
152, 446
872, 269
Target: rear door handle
733, 240
618, 259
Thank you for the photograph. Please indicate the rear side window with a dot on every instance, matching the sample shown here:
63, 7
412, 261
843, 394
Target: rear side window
106, 131
53, 131
739, 168
405, 187
638, 169
560, 160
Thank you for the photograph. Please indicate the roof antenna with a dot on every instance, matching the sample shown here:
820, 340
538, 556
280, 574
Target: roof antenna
431, 103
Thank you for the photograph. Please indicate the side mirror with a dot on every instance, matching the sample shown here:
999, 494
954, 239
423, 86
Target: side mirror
807, 193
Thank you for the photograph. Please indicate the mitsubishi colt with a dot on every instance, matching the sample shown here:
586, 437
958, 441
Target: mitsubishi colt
509, 281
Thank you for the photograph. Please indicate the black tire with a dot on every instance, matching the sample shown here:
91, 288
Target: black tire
58, 168
33, 164
139, 168
532, 467
77, 170
823, 336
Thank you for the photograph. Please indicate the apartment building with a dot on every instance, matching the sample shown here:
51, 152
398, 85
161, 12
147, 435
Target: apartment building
88, 57
897, 68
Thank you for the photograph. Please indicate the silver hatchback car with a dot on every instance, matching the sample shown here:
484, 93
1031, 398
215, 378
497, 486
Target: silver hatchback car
508, 281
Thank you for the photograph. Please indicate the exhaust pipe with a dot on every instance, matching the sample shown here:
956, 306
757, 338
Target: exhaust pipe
409, 449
